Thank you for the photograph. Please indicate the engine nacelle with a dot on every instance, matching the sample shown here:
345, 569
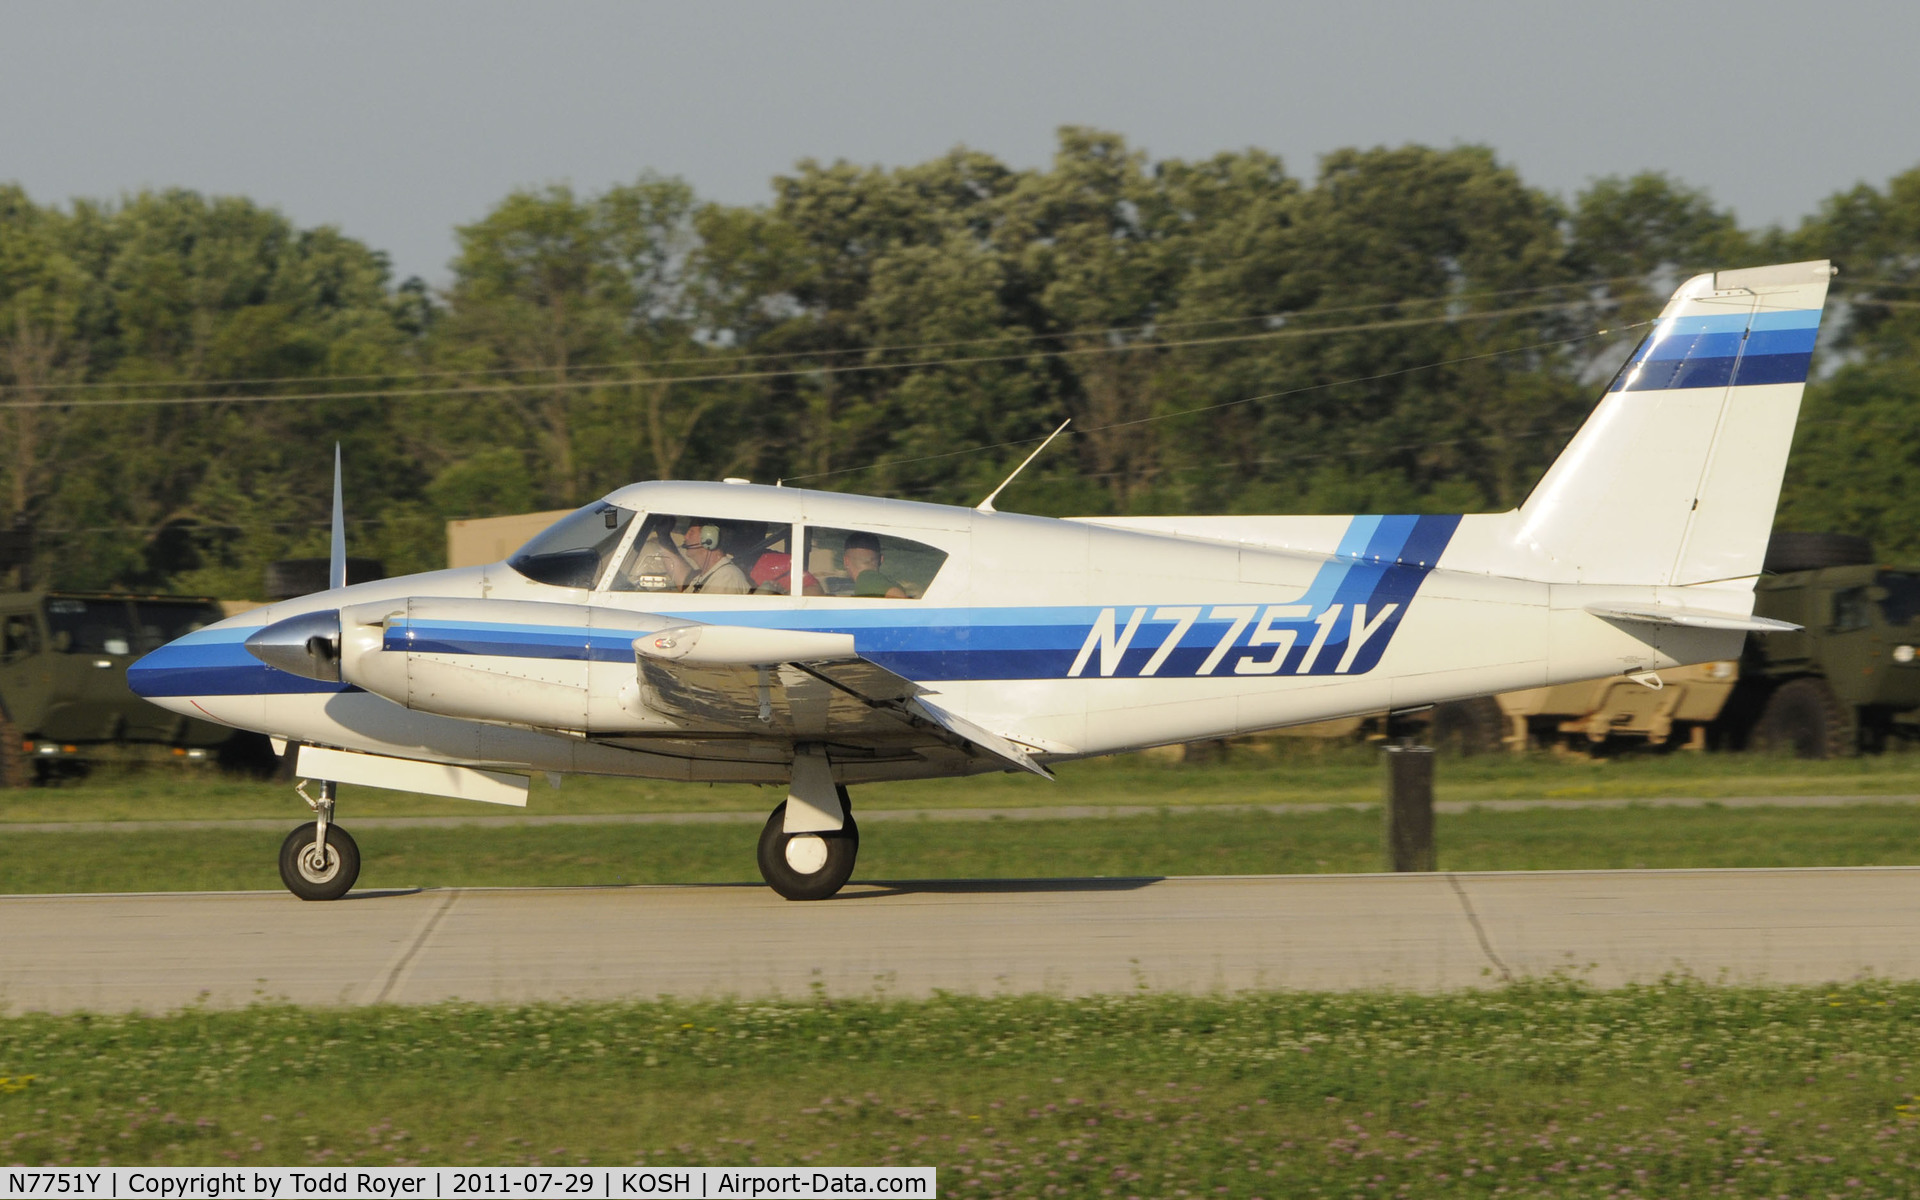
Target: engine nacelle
510, 662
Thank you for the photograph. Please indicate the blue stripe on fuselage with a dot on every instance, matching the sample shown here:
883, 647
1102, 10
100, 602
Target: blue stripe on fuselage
1380, 562
215, 662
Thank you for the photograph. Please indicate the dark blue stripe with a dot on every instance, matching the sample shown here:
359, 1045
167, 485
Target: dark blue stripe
1773, 368
208, 668
1700, 345
1659, 375
1729, 345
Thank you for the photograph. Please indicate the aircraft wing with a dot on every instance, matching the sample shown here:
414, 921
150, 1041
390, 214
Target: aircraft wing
531, 664
797, 685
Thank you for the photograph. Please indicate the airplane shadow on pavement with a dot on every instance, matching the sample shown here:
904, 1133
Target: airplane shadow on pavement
875, 889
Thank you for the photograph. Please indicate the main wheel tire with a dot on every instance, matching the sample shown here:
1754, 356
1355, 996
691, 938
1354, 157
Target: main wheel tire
312, 880
13, 762
807, 866
1804, 716
1476, 726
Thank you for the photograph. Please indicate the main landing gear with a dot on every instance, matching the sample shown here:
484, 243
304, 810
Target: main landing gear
809, 843
319, 861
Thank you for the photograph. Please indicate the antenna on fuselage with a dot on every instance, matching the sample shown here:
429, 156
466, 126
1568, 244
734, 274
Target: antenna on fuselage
986, 506
337, 554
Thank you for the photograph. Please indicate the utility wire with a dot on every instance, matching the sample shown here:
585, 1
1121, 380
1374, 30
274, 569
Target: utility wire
1187, 412
501, 389
774, 356
769, 356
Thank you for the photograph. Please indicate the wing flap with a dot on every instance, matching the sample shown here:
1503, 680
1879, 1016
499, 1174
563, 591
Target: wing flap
778, 682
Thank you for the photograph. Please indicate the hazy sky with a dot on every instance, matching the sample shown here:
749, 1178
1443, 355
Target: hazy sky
398, 121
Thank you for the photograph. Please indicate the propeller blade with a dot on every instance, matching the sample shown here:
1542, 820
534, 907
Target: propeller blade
337, 562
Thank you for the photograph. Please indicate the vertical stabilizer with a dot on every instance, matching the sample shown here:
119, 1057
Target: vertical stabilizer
1674, 478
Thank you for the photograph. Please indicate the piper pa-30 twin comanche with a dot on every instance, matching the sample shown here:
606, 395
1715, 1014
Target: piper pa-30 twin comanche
733, 633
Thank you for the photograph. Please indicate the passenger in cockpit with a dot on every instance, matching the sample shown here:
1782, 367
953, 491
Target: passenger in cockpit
863, 560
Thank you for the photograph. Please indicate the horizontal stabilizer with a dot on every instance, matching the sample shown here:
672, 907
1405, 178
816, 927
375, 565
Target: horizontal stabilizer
1691, 618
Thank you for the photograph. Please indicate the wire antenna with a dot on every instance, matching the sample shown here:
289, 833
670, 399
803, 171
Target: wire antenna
986, 506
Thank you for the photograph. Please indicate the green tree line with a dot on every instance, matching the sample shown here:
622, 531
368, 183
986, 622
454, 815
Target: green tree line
1410, 329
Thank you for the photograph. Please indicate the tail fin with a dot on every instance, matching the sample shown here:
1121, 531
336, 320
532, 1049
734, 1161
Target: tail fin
1674, 478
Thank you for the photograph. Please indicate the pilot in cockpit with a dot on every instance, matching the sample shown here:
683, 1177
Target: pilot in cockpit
714, 571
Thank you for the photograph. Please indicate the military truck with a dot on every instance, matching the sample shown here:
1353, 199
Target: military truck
1847, 682
1681, 712
64, 700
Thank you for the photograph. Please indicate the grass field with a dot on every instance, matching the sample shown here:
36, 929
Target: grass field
1536, 1090
1277, 771
1173, 843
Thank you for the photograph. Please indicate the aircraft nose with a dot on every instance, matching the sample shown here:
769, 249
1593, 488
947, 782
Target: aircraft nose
307, 645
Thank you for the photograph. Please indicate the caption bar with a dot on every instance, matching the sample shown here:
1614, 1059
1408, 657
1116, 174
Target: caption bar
405, 1183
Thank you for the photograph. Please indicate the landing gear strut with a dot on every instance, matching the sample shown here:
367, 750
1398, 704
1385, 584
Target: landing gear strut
319, 861
808, 845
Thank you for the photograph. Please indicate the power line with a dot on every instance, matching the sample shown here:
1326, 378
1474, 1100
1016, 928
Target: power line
1187, 412
503, 389
772, 356
767, 356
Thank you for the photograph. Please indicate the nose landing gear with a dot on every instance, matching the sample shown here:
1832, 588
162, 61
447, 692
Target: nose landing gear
319, 861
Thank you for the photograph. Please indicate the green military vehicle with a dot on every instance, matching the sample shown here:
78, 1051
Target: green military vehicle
64, 700
1849, 681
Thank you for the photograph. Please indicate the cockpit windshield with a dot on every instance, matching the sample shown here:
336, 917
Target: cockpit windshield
573, 551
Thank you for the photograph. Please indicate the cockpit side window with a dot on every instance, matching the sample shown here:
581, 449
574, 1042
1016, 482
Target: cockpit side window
710, 556
573, 551
869, 566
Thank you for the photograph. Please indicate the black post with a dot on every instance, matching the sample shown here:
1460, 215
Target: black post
1410, 808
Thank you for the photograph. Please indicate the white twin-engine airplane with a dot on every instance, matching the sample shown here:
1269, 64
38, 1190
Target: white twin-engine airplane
732, 633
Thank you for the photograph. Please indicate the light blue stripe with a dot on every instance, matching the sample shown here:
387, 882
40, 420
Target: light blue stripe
1793, 318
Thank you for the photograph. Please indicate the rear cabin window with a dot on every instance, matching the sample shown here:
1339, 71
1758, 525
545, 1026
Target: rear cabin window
868, 566
708, 556
573, 551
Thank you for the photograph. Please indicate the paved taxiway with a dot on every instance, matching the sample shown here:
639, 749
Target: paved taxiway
160, 951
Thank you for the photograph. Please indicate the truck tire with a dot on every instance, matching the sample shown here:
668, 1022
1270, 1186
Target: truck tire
1805, 717
13, 763
1475, 726
1788, 552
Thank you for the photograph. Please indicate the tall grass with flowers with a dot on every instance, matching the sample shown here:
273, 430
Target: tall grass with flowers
1541, 1089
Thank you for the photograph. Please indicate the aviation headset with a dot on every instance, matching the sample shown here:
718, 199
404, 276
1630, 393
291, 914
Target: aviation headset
709, 538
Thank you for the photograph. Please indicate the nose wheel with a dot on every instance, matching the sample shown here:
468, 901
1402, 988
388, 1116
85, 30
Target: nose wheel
319, 861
